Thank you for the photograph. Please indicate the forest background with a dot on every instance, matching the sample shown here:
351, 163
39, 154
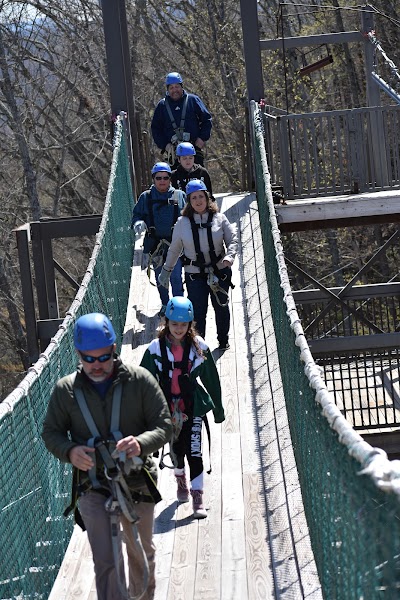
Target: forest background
55, 143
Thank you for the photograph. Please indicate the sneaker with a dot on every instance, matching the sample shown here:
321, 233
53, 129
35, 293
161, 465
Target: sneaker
199, 512
224, 346
161, 314
183, 490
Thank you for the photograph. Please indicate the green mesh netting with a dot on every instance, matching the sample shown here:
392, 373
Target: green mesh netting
35, 487
354, 526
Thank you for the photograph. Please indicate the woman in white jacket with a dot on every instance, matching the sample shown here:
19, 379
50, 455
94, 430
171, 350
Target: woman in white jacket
208, 242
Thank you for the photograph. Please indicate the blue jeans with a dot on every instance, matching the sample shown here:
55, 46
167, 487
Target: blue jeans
198, 292
176, 283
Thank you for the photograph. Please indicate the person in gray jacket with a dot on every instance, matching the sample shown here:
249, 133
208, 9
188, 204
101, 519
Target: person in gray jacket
208, 244
107, 419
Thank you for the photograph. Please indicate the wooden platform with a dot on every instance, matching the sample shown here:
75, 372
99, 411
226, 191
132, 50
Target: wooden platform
254, 544
339, 211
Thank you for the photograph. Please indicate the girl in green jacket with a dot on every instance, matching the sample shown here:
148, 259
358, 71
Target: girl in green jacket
177, 358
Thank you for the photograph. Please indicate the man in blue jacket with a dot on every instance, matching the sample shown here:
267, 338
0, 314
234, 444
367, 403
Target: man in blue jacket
180, 117
156, 212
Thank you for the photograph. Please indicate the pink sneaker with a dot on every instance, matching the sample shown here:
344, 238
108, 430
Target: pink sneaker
199, 512
183, 490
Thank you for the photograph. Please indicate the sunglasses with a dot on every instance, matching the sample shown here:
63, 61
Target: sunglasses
162, 178
92, 359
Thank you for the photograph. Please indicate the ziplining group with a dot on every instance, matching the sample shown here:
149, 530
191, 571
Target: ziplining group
109, 418
186, 231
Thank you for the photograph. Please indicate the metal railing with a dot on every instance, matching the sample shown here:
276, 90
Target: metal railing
356, 343
333, 153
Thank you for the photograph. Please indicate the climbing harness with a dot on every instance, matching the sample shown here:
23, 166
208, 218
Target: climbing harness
213, 283
157, 258
180, 134
210, 270
171, 155
157, 255
120, 500
187, 388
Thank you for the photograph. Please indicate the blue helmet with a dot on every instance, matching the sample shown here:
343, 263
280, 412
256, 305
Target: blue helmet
185, 149
195, 185
179, 309
161, 166
93, 331
173, 78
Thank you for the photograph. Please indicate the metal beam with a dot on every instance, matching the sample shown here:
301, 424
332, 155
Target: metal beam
47, 328
120, 74
386, 87
41, 233
312, 40
358, 292
40, 274
355, 343
22, 235
251, 48
66, 275
68, 226
352, 282
334, 298
389, 441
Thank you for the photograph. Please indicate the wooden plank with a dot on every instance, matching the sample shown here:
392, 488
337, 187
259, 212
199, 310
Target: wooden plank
294, 571
208, 570
164, 531
76, 575
184, 559
339, 211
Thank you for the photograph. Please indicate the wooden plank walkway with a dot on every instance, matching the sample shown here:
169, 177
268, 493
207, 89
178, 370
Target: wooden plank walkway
254, 543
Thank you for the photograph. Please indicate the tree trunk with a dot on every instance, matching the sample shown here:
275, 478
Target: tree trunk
16, 126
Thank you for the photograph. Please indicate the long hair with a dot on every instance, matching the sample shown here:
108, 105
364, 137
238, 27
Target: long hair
190, 335
212, 206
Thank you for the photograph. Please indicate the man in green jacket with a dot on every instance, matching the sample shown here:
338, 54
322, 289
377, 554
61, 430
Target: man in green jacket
107, 419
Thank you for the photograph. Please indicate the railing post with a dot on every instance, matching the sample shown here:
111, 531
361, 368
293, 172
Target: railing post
284, 155
354, 171
269, 121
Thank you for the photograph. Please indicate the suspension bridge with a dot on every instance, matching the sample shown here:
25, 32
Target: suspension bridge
299, 504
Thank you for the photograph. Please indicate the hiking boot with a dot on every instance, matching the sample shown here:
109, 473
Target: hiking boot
199, 512
161, 314
183, 490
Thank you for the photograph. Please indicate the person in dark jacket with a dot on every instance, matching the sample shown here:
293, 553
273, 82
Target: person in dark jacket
187, 169
157, 211
129, 400
180, 359
180, 117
